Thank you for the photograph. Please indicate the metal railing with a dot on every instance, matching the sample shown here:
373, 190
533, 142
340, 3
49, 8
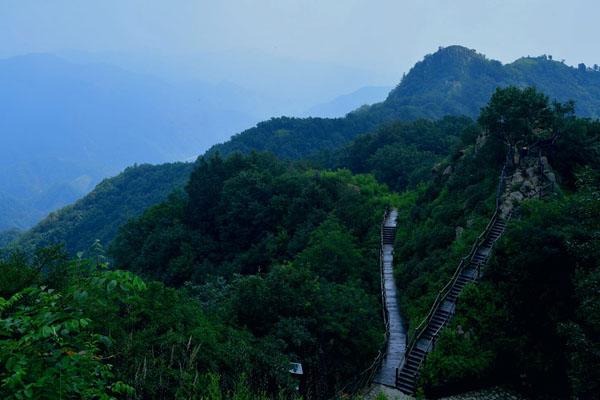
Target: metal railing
368, 374
443, 293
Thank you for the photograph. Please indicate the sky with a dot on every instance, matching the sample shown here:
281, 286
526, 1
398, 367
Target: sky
383, 36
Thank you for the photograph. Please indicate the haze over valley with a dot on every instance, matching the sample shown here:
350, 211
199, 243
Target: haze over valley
76, 119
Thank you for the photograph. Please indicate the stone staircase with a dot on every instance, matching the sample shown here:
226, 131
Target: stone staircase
442, 310
444, 307
396, 331
530, 177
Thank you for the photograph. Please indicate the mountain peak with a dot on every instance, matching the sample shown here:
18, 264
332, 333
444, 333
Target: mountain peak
447, 71
457, 50
450, 57
456, 80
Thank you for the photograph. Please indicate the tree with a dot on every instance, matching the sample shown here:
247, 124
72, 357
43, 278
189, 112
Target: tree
522, 117
47, 350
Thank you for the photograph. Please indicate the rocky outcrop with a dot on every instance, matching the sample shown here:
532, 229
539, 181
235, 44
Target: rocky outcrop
532, 178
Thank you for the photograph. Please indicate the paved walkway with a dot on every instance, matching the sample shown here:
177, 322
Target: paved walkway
495, 393
396, 345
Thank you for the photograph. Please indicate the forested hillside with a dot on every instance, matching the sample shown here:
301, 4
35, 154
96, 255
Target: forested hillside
207, 279
259, 262
67, 125
403, 154
452, 81
400, 154
99, 215
273, 263
532, 322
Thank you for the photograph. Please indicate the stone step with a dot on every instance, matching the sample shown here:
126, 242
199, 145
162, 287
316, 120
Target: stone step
407, 379
411, 368
407, 376
455, 291
407, 388
416, 350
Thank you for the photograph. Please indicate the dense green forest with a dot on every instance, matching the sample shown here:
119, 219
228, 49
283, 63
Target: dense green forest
271, 263
400, 154
533, 321
453, 81
459, 81
98, 216
403, 154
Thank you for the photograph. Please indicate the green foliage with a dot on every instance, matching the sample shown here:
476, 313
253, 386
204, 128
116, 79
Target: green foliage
402, 154
270, 261
576, 147
99, 214
302, 136
103, 328
464, 358
293, 249
453, 81
332, 253
428, 246
522, 117
333, 328
241, 215
47, 350
534, 321
459, 81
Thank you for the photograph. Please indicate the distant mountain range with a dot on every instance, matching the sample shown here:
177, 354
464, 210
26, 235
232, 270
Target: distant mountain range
67, 122
65, 126
452, 81
278, 85
99, 215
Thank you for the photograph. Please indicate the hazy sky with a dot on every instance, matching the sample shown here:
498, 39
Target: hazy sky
384, 36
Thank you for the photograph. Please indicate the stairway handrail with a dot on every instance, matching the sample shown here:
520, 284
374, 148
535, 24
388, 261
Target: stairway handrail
382, 278
367, 375
443, 293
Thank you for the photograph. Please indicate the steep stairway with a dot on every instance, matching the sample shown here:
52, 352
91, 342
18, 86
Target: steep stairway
440, 314
396, 343
531, 177
443, 309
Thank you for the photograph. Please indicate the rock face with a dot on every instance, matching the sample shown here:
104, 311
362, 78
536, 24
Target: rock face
532, 178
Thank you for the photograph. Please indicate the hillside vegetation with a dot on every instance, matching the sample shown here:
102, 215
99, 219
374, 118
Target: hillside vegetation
98, 216
259, 262
273, 263
534, 315
206, 279
453, 81
67, 125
